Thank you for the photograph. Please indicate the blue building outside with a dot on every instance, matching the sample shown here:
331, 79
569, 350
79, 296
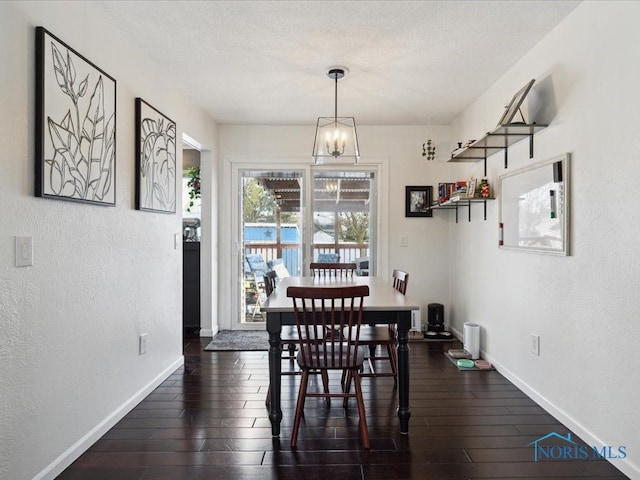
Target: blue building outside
265, 233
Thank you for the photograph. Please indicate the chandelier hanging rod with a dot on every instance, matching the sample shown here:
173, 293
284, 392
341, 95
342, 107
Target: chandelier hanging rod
336, 74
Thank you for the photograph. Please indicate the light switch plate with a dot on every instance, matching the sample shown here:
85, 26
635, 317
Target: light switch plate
24, 251
535, 344
142, 343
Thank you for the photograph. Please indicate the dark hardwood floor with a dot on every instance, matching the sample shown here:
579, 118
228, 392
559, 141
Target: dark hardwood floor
209, 421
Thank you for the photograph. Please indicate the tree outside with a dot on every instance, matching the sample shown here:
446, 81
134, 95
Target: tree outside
259, 206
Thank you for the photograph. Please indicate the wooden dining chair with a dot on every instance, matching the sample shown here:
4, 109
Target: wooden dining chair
329, 309
385, 337
400, 281
288, 338
322, 269
270, 282
257, 267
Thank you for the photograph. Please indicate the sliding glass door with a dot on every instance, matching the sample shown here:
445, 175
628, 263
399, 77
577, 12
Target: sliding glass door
283, 226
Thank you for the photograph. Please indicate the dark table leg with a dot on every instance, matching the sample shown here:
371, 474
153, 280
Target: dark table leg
274, 327
404, 412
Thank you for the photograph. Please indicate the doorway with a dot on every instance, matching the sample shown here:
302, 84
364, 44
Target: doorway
191, 236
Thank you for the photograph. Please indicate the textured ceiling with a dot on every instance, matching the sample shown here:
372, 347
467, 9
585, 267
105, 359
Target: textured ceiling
264, 62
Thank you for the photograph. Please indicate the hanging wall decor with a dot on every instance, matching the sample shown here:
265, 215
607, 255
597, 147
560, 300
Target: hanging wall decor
75, 125
429, 150
155, 160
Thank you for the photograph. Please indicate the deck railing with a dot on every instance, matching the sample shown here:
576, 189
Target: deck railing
289, 252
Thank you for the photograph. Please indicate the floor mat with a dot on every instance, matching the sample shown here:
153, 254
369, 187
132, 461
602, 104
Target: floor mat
239, 340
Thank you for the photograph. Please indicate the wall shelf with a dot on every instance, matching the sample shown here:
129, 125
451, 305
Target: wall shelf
500, 138
462, 203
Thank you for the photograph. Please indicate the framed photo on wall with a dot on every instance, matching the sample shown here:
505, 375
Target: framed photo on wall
155, 160
418, 201
75, 125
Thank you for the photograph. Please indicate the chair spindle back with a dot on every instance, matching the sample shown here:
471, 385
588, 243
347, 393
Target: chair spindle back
319, 269
328, 322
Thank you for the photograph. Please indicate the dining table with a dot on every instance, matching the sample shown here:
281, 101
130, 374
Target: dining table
384, 306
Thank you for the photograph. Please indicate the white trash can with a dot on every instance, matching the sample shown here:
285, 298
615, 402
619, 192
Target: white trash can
471, 339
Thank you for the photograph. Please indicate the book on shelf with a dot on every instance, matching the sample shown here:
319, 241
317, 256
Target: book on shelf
444, 191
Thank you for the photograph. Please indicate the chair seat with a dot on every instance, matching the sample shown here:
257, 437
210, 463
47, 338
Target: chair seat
371, 337
290, 334
332, 358
376, 335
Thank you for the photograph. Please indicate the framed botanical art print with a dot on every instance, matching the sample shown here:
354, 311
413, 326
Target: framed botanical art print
75, 125
155, 160
418, 201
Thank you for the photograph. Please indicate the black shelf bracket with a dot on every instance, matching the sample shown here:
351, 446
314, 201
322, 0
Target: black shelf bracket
531, 145
463, 202
500, 138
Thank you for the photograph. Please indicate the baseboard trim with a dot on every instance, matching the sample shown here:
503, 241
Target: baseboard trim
209, 333
624, 465
56, 467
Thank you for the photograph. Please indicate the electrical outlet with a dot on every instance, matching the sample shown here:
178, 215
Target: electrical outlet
142, 343
535, 344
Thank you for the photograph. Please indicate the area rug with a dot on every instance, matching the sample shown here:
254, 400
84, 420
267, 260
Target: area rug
239, 340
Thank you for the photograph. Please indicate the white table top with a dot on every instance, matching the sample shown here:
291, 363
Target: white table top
382, 295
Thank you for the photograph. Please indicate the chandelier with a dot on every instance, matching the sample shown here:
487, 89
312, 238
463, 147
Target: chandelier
336, 137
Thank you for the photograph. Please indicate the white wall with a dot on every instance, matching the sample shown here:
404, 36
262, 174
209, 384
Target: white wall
69, 325
585, 306
426, 256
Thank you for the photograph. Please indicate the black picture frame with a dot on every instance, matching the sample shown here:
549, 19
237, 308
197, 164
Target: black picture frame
75, 125
418, 200
155, 149
515, 103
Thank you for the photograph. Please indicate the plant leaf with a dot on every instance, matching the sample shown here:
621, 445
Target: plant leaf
93, 133
60, 68
82, 89
67, 149
71, 70
107, 160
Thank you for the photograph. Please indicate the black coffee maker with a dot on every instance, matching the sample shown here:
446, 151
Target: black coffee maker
435, 322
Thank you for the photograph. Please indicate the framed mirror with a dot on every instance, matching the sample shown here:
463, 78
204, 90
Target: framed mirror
534, 208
